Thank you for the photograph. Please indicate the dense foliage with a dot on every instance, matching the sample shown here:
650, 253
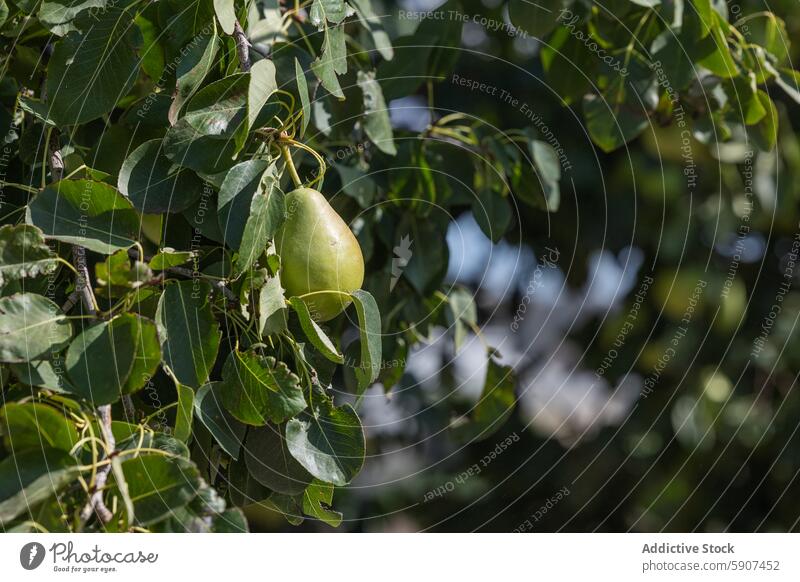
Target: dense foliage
155, 376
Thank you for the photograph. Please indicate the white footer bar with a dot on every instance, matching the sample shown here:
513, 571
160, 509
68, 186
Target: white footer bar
401, 557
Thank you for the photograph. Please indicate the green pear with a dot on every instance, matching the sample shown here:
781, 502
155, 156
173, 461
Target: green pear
321, 260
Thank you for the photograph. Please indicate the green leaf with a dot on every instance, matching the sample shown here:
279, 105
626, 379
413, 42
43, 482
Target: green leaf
747, 105
462, 314
614, 118
376, 114
767, 30
357, 184
492, 212
257, 389
766, 132
183, 415
86, 213
332, 61
158, 485
290, 507
427, 264
272, 310
188, 332
369, 324
270, 463
57, 15
492, 410
719, 60
314, 332
329, 444
788, 80
236, 197
334, 11
537, 18
205, 154
23, 253
168, 257
146, 357
36, 426
370, 21
88, 74
317, 499
31, 327
192, 71
263, 85
154, 184
677, 66
226, 430
116, 272
112, 358
267, 214
220, 109
705, 12
48, 374
548, 170
302, 89
30, 477
3, 12
569, 66
226, 15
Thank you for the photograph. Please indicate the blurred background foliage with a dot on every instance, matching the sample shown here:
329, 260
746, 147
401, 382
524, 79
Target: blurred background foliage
714, 443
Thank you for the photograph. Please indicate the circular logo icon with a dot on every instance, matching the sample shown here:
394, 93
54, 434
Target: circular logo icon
31, 555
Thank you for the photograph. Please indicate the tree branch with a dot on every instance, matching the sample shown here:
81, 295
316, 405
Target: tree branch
83, 287
242, 46
83, 284
184, 272
96, 503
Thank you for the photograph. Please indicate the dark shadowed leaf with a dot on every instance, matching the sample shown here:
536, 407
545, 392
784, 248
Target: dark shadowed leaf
192, 70
93, 68
270, 463
154, 184
226, 430
30, 477
113, 358
242, 183
537, 18
188, 332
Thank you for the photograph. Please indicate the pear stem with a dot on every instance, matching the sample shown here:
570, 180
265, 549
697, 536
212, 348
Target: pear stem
287, 157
